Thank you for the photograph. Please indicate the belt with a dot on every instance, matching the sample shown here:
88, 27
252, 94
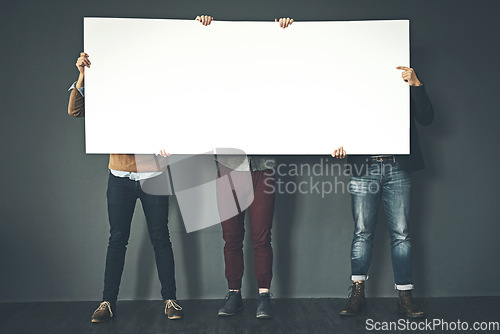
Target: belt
384, 158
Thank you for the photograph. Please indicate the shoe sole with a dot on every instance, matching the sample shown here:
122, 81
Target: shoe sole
264, 316
96, 321
418, 316
175, 317
223, 314
353, 314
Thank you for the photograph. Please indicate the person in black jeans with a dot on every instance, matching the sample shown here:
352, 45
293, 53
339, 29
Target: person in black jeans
126, 172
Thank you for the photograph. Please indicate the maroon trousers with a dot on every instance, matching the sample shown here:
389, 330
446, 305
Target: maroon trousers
261, 212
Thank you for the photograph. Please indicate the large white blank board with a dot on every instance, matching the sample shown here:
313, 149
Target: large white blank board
188, 88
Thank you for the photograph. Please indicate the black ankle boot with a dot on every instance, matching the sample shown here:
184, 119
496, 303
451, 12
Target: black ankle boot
407, 306
264, 310
233, 304
356, 300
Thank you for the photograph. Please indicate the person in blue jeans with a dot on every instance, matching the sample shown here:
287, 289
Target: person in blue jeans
386, 178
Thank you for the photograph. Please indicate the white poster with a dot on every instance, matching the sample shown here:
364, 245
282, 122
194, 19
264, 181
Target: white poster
187, 88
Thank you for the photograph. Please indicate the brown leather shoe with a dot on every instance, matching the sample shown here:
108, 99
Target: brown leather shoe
103, 313
407, 306
172, 309
356, 300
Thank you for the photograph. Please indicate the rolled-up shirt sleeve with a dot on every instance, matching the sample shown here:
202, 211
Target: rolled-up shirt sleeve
76, 105
81, 90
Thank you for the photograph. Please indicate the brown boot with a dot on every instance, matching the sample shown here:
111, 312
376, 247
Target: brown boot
103, 313
172, 309
356, 300
407, 306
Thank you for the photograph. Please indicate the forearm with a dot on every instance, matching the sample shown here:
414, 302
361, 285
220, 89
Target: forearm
80, 82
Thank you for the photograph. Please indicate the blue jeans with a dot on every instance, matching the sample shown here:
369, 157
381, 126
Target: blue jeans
384, 181
122, 195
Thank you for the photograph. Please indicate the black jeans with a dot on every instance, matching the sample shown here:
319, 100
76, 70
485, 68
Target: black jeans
122, 195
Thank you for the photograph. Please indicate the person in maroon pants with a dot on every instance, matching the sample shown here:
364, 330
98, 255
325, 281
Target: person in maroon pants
252, 183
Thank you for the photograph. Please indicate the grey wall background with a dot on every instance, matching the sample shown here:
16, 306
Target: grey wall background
53, 220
